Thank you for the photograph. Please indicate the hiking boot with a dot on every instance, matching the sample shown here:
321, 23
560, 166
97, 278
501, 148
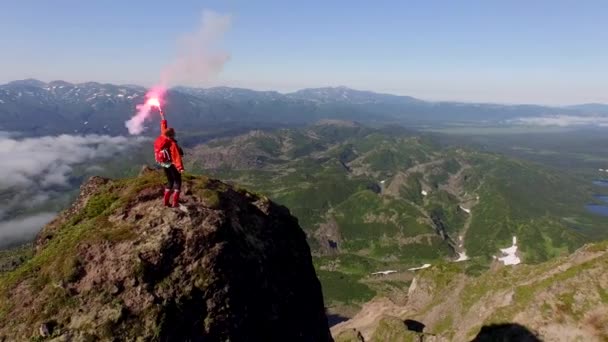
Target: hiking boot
166, 197
175, 203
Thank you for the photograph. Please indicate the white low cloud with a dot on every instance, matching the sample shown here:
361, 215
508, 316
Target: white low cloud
35, 173
94, 168
48, 161
564, 121
23, 229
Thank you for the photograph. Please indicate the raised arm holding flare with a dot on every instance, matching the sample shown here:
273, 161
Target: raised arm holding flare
168, 154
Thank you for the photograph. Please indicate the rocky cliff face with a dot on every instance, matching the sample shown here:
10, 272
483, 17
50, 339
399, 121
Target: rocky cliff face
564, 299
228, 265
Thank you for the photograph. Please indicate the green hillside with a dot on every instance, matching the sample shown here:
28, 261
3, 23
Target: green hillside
392, 199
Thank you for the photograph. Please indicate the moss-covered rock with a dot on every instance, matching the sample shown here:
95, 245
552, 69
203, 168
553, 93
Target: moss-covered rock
118, 265
393, 329
350, 335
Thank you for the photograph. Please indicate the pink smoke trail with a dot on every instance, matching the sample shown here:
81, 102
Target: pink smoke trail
154, 98
199, 58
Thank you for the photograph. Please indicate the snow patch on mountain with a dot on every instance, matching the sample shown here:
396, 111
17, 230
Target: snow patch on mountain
419, 268
387, 272
468, 211
509, 254
462, 254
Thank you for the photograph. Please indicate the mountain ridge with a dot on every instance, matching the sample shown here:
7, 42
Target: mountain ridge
315, 91
37, 108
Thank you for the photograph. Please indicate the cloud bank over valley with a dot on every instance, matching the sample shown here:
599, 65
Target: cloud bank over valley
37, 172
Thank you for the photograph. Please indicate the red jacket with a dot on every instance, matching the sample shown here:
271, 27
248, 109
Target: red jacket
174, 150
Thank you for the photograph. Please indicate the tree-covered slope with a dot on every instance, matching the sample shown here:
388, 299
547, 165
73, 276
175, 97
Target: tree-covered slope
392, 199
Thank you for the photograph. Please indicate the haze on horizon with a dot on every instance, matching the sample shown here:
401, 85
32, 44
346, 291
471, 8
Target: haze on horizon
546, 52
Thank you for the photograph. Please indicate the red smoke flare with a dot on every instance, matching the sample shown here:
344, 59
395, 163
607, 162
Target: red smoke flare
153, 99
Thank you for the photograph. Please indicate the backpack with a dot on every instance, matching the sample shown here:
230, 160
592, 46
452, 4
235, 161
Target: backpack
161, 151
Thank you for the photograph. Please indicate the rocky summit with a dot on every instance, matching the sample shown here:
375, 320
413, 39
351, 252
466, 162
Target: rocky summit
227, 265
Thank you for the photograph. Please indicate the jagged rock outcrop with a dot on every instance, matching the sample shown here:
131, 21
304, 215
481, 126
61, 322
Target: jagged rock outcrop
228, 265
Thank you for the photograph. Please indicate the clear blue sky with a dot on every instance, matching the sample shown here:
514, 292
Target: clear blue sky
552, 52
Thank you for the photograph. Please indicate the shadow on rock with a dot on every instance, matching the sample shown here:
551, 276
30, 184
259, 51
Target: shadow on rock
333, 319
509, 332
413, 325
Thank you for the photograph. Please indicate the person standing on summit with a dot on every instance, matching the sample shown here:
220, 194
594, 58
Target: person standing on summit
168, 154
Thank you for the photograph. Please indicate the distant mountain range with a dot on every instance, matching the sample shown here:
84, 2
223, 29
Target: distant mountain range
34, 107
599, 108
